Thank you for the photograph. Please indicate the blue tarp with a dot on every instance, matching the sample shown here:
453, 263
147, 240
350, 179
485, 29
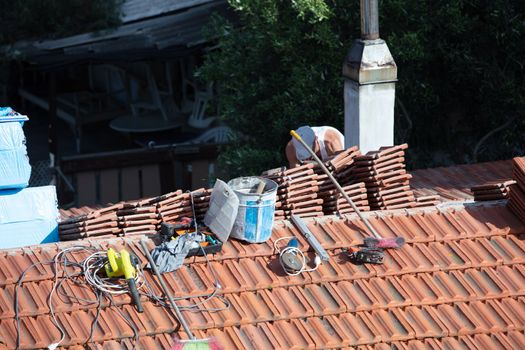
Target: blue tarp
14, 163
28, 216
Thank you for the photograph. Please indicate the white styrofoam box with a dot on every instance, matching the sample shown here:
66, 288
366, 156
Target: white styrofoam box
28, 216
14, 163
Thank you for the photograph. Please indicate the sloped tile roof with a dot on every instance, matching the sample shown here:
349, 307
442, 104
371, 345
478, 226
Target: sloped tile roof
459, 282
453, 183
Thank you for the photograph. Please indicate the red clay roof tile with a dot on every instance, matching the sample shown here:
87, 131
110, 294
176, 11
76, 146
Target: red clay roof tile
454, 183
457, 282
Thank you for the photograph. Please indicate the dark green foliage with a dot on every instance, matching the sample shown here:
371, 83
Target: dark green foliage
26, 19
461, 75
461, 72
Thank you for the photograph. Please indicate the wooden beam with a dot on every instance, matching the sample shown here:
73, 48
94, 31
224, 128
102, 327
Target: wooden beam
52, 121
138, 157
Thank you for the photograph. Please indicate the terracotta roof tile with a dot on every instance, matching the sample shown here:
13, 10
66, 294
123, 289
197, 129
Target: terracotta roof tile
454, 183
458, 282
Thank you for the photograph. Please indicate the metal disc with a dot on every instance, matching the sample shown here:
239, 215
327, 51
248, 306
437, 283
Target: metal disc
291, 261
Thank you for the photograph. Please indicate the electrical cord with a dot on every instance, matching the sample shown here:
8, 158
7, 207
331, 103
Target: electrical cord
196, 306
85, 273
297, 252
92, 267
126, 318
18, 285
57, 324
97, 315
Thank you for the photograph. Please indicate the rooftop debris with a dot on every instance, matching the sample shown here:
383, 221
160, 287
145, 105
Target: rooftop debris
380, 241
440, 287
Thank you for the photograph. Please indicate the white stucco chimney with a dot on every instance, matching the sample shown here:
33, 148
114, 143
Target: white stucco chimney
369, 74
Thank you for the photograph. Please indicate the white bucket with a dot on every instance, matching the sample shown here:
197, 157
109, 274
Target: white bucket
256, 211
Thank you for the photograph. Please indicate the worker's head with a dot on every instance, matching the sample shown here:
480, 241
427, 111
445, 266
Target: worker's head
308, 136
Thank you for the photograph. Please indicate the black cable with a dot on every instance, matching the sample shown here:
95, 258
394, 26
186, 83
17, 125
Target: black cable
74, 277
18, 284
127, 319
95, 321
73, 297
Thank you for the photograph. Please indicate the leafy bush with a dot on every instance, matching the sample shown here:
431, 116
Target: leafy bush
461, 75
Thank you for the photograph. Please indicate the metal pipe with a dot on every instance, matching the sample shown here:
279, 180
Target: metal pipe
369, 20
181, 318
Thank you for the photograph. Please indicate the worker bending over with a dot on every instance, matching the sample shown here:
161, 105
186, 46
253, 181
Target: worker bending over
325, 141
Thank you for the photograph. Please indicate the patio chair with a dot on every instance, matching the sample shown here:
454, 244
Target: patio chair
198, 119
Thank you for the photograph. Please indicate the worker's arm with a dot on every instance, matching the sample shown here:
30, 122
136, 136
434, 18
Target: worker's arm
291, 156
332, 140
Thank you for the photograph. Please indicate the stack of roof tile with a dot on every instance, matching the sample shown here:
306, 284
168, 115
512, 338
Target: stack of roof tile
492, 190
174, 208
133, 219
340, 166
387, 181
334, 203
142, 217
98, 223
426, 201
297, 192
454, 183
517, 194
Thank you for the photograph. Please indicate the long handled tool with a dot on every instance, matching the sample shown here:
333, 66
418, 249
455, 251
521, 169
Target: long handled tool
374, 242
192, 343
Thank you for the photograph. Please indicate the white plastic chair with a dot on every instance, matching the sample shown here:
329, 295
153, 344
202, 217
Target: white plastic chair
197, 118
219, 134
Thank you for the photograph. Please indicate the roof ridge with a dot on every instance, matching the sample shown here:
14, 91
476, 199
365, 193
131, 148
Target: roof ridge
409, 211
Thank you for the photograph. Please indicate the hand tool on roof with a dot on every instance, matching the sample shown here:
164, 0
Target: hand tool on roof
292, 259
123, 264
168, 230
319, 250
192, 342
367, 256
383, 242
